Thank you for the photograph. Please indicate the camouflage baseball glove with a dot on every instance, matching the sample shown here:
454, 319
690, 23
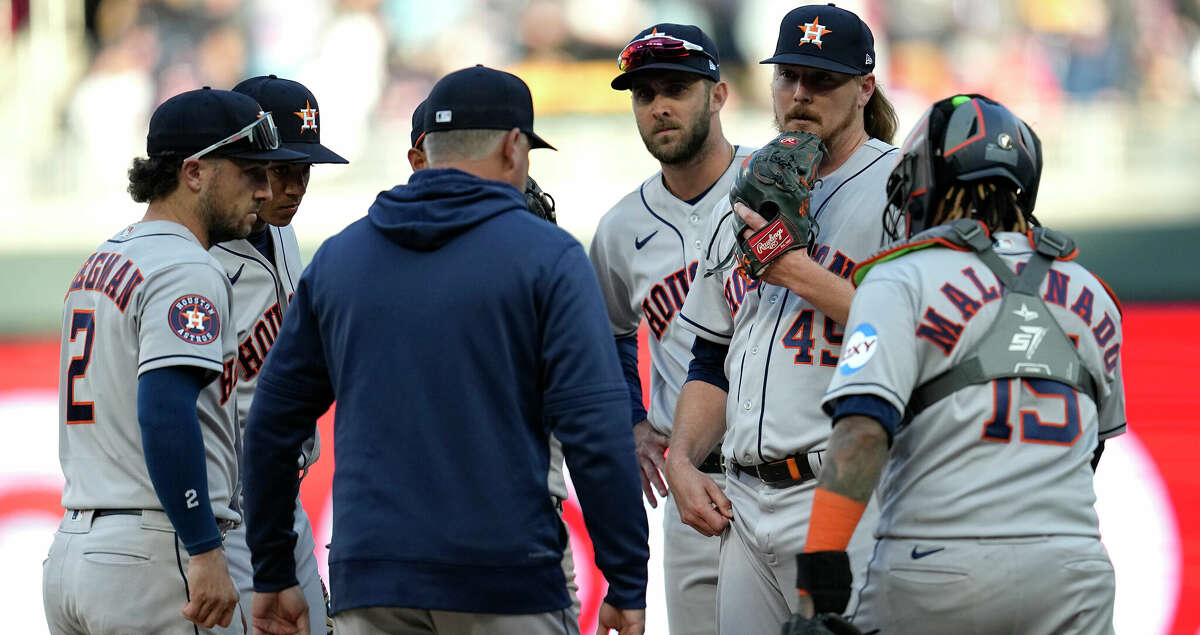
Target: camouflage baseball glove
775, 182
539, 202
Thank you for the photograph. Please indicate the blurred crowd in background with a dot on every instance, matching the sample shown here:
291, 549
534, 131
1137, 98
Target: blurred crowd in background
84, 77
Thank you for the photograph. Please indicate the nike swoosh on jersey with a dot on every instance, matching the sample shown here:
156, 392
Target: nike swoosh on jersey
234, 278
917, 555
642, 242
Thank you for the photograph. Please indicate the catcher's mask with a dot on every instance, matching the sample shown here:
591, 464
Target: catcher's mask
961, 138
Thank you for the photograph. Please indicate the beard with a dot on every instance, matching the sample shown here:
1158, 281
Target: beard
221, 223
692, 137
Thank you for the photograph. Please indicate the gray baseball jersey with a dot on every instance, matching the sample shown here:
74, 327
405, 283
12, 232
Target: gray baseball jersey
646, 252
782, 349
262, 291
1025, 443
149, 297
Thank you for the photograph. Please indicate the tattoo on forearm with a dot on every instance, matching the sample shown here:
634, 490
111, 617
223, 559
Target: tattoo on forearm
856, 455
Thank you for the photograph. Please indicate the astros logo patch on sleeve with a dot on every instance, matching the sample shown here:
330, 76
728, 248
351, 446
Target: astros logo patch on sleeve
194, 319
858, 349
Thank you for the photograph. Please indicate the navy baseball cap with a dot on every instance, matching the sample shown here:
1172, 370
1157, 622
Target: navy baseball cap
197, 119
296, 114
481, 98
418, 126
826, 37
666, 46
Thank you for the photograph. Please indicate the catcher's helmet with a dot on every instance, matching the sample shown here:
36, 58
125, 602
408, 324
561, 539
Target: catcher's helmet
961, 138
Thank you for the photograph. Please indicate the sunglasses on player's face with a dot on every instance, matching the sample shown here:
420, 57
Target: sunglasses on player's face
656, 47
261, 133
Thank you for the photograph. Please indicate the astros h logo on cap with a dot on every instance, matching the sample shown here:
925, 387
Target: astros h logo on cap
296, 113
813, 32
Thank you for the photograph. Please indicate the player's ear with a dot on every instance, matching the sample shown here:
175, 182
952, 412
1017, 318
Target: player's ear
511, 147
866, 89
720, 93
190, 174
417, 159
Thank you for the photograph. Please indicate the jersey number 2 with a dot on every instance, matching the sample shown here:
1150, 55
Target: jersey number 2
1033, 428
80, 412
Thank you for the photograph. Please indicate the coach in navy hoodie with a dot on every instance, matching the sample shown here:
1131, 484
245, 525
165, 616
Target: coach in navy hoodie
456, 331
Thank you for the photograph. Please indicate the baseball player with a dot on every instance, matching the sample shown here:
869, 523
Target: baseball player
150, 458
263, 269
646, 252
992, 390
778, 338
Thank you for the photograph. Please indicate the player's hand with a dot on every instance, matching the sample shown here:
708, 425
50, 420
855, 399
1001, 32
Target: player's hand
806, 606
784, 269
702, 505
212, 598
281, 613
624, 621
651, 446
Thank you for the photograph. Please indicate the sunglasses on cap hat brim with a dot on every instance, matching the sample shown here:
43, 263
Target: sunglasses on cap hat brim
262, 135
657, 47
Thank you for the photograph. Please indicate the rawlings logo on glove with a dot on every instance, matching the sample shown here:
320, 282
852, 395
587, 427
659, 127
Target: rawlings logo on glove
774, 182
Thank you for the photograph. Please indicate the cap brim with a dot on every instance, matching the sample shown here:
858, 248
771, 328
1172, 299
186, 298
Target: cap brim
536, 142
814, 61
624, 80
315, 152
279, 154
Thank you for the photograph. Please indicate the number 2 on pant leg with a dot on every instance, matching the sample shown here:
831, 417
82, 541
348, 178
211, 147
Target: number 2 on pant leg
80, 412
1034, 429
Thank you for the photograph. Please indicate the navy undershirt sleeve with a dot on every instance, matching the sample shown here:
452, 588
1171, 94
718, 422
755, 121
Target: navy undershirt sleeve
871, 406
174, 450
627, 350
708, 363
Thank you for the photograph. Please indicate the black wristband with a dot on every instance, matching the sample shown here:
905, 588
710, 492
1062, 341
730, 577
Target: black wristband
827, 578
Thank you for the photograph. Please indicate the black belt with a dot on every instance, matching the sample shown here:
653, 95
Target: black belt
712, 464
793, 470
222, 524
117, 512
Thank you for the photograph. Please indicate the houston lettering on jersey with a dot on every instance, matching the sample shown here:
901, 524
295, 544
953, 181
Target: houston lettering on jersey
736, 286
253, 350
944, 331
101, 273
665, 299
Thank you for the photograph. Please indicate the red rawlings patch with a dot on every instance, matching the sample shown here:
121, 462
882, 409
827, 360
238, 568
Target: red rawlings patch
194, 319
788, 141
771, 241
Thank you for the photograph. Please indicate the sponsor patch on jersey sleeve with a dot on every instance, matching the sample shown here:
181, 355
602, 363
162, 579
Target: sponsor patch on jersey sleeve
194, 319
859, 348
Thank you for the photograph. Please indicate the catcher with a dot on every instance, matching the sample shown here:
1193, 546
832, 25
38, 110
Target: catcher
957, 366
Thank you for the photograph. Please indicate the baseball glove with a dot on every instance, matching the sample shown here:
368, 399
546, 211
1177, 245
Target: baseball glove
539, 202
775, 182
823, 624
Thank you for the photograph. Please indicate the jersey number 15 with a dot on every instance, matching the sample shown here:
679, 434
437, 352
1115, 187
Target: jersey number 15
1033, 428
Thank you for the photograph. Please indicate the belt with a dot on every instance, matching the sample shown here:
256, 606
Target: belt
793, 470
222, 524
712, 464
116, 512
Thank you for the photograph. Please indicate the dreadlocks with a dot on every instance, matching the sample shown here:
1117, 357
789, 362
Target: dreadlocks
996, 207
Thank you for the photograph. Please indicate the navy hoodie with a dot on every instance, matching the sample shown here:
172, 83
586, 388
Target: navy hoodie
456, 331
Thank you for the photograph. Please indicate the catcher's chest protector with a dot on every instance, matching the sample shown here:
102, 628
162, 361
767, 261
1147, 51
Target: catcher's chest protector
1024, 340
